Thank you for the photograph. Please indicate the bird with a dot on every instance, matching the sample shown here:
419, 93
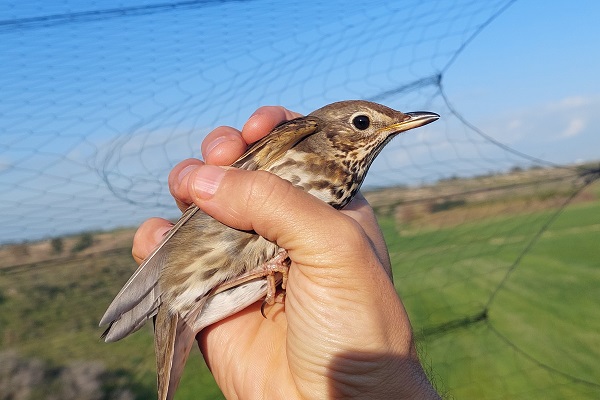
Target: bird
204, 271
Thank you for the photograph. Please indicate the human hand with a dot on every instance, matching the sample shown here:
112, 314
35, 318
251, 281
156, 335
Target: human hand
344, 331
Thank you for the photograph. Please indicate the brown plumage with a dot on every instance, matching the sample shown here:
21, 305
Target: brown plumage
326, 153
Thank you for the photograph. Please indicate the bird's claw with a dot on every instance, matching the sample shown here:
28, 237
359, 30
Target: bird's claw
279, 298
280, 263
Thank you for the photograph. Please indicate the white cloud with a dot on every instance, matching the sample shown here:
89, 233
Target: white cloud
544, 123
560, 130
574, 102
575, 127
515, 124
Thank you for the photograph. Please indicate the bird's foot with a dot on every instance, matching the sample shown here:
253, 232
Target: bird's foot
279, 298
280, 263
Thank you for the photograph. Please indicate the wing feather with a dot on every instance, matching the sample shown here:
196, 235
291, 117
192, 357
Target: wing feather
283, 137
144, 281
139, 299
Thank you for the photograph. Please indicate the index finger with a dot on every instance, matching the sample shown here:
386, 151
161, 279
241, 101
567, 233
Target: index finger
264, 120
224, 145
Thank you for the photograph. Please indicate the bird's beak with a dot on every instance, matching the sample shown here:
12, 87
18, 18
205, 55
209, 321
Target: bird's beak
413, 120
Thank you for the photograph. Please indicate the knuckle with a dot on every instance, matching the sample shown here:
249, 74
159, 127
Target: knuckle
270, 198
268, 191
353, 237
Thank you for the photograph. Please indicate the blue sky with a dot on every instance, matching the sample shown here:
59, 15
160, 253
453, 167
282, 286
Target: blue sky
96, 108
530, 79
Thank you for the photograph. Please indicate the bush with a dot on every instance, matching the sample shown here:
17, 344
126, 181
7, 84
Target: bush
19, 376
446, 205
29, 378
57, 245
85, 240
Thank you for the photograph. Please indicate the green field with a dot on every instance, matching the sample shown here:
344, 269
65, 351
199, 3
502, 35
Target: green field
491, 324
541, 337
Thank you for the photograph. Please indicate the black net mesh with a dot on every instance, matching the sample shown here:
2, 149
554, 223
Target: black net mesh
494, 250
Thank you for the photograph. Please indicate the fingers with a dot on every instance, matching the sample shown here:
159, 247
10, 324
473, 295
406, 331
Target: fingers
359, 209
271, 206
148, 236
178, 182
223, 146
264, 120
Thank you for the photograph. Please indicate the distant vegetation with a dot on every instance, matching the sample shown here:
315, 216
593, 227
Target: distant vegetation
85, 240
32, 378
57, 245
452, 244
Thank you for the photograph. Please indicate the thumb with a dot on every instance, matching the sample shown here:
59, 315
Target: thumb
314, 233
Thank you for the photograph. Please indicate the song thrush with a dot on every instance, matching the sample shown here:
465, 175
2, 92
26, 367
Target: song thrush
204, 271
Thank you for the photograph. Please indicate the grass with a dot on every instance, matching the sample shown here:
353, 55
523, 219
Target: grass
537, 337
52, 313
540, 339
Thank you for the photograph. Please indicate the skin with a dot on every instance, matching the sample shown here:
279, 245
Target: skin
343, 331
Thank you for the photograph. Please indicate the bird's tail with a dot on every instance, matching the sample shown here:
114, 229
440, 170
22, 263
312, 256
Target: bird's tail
173, 340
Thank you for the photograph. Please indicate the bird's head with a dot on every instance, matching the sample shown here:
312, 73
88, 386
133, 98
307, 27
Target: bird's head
360, 129
356, 131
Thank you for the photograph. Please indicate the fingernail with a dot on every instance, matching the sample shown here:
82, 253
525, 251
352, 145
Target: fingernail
211, 146
182, 174
207, 180
258, 111
257, 114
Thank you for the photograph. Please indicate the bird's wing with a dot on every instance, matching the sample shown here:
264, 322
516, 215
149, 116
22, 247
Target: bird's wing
283, 137
139, 298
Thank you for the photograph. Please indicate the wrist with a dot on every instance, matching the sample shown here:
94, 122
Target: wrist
379, 376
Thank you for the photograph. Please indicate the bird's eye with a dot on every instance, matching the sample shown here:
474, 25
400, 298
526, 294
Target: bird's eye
361, 122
